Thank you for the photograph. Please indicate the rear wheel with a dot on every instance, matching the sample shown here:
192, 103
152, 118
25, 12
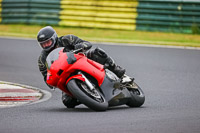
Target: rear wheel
137, 96
93, 99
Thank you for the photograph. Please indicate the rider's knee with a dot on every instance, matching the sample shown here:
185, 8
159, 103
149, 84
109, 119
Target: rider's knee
98, 55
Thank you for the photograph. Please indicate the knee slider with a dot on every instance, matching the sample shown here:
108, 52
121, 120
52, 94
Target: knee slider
98, 55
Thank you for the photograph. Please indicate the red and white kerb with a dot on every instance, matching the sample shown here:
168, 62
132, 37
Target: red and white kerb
12, 95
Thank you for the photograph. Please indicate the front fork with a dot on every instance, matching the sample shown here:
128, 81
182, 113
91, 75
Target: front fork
88, 83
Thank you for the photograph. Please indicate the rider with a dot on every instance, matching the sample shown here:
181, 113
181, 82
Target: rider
48, 40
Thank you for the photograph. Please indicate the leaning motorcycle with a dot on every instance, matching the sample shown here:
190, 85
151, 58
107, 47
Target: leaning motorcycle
90, 82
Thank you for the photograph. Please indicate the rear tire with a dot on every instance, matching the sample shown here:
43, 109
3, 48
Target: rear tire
93, 100
137, 96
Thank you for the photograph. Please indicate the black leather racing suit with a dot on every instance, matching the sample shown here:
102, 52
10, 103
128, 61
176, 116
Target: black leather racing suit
71, 42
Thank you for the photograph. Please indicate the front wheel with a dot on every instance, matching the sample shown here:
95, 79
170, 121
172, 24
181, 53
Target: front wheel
93, 99
137, 96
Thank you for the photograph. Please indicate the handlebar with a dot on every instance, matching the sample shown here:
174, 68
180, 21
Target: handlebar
78, 50
74, 51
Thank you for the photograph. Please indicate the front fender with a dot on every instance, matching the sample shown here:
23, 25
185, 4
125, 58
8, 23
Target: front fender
79, 77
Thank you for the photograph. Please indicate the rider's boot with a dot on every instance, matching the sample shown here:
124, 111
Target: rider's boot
110, 64
126, 79
69, 101
119, 71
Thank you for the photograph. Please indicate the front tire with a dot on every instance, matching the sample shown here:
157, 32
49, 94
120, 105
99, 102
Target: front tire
93, 100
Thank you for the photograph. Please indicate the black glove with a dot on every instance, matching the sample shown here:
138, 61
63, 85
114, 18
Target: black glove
81, 45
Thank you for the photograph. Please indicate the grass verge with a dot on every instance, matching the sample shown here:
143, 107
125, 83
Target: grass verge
106, 35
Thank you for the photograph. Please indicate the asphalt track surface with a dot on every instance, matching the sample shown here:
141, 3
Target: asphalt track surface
169, 78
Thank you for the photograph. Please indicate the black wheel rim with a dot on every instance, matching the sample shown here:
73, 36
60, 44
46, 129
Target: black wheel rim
94, 94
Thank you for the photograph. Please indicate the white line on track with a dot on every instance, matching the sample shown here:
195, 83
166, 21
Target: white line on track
122, 44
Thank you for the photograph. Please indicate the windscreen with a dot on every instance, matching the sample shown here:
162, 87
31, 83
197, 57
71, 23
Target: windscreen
53, 55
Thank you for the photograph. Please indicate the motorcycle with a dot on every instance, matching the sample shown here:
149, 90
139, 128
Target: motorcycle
90, 82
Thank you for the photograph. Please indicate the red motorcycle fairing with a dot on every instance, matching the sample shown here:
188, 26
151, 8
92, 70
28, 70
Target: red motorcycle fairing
61, 66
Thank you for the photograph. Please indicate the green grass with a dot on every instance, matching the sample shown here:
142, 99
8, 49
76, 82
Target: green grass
106, 35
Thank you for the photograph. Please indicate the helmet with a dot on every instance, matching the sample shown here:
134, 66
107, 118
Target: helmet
47, 38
